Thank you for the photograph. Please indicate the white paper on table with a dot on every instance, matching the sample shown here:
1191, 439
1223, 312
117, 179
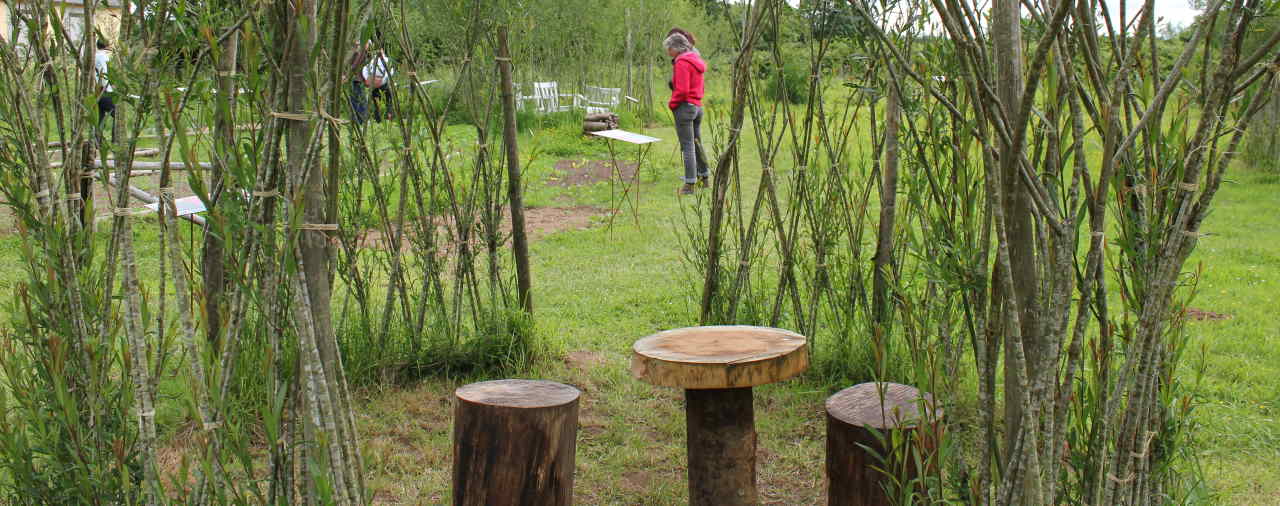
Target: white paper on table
185, 205
625, 136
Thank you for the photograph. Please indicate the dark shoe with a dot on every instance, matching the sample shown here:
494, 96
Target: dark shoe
704, 181
687, 189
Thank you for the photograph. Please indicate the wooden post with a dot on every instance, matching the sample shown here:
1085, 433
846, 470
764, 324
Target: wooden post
720, 424
873, 429
519, 241
717, 366
513, 443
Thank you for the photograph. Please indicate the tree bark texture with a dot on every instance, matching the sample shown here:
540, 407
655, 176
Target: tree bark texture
513, 443
874, 429
213, 261
1006, 32
519, 240
888, 208
330, 424
722, 447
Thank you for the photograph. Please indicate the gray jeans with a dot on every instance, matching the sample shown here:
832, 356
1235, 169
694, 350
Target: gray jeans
689, 131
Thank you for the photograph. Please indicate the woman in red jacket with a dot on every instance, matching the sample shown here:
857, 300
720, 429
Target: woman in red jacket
686, 105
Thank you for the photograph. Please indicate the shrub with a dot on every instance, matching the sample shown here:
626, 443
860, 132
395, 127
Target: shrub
790, 84
500, 341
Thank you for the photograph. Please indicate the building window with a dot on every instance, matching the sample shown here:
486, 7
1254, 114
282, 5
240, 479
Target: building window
19, 15
73, 22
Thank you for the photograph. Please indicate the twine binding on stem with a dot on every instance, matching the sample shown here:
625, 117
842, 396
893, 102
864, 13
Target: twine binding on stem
292, 116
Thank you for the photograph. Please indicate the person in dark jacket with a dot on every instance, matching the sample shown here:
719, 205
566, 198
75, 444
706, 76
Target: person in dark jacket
687, 69
359, 57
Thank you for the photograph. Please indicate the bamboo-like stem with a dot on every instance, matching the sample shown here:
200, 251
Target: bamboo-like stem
139, 366
888, 207
213, 261
727, 158
519, 240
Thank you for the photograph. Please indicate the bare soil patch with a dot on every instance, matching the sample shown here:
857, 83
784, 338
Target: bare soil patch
1202, 315
544, 221
583, 172
637, 481
584, 360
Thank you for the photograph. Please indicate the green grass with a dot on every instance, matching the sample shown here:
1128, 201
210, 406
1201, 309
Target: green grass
599, 289
596, 291
1239, 437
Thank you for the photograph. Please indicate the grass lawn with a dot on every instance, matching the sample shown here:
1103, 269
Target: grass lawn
599, 289
1239, 433
596, 291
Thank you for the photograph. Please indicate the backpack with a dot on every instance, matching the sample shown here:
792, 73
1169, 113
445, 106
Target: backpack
378, 72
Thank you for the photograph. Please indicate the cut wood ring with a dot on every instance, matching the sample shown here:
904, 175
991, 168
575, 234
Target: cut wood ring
722, 356
717, 366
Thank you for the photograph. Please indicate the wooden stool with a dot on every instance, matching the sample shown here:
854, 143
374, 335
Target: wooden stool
855, 416
513, 443
717, 366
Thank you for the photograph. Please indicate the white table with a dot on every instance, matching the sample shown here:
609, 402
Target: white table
643, 144
185, 206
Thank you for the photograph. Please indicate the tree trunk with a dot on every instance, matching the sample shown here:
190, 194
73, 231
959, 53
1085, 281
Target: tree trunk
888, 208
327, 404
720, 426
519, 241
1006, 31
875, 441
727, 161
213, 260
627, 52
513, 443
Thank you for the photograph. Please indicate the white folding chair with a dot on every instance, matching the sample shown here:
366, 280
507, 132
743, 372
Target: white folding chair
595, 99
546, 97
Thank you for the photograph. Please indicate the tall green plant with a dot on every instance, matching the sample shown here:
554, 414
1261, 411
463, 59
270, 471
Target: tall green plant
1033, 113
78, 400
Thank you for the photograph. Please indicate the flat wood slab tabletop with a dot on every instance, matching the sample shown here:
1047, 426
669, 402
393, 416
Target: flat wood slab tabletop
721, 356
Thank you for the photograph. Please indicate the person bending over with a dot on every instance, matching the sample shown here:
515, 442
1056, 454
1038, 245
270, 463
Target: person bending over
358, 59
377, 76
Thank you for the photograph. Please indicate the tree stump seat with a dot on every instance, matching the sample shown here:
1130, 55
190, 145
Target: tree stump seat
513, 443
862, 445
717, 366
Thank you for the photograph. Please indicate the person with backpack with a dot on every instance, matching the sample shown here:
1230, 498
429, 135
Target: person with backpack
377, 76
686, 104
359, 57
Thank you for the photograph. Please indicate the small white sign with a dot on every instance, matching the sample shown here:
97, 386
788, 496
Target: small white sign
185, 205
626, 136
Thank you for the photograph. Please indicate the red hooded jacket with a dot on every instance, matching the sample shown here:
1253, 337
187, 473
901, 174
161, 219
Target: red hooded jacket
686, 80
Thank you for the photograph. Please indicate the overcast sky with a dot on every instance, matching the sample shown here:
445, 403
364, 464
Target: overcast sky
1175, 12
